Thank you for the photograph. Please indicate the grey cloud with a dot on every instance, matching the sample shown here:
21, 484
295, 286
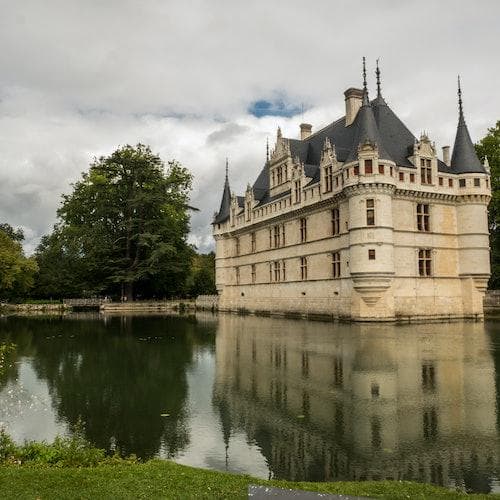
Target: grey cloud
225, 133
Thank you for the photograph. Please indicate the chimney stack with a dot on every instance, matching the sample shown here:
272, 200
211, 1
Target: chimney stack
305, 131
353, 101
446, 155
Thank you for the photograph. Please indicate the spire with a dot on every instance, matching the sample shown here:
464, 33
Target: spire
464, 158
377, 72
365, 88
267, 149
460, 107
225, 205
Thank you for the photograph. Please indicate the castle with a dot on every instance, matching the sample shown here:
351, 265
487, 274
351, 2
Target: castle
360, 220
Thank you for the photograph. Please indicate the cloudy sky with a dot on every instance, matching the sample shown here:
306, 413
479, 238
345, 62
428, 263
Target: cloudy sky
199, 81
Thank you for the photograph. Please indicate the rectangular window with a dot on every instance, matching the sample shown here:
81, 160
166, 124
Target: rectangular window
303, 230
270, 238
477, 182
461, 183
303, 268
440, 181
391, 171
370, 212
237, 270
254, 273
425, 171
412, 177
356, 170
450, 183
335, 221
328, 178
368, 167
277, 276
270, 271
237, 244
423, 217
297, 191
283, 239
371, 254
401, 176
381, 169
424, 262
430, 424
336, 265
252, 242
283, 270
277, 236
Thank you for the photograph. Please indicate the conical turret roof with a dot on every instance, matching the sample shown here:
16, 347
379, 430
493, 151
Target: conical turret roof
464, 158
366, 130
225, 205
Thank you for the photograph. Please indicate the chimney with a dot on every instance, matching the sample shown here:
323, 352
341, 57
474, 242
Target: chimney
353, 100
446, 155
305, 131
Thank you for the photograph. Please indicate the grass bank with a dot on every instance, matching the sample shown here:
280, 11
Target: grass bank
71, 468
163, 479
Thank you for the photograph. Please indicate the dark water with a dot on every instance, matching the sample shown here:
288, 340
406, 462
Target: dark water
269, 397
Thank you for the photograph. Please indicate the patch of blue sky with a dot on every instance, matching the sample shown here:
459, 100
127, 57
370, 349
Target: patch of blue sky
277, 107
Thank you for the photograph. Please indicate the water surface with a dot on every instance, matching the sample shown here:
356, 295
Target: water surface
270, 397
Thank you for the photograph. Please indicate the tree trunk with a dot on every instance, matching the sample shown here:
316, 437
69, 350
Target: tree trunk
129, 291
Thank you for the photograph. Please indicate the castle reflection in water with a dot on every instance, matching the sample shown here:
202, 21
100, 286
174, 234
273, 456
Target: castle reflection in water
361, 401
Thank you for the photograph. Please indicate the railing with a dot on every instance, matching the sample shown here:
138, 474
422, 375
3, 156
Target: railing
94, 302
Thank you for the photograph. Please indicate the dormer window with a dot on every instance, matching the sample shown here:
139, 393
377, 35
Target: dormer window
425, 171
328, 171
297, 191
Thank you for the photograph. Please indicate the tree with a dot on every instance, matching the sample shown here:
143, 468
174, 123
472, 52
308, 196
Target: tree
16, 271
489, 147
123, 229
202, 279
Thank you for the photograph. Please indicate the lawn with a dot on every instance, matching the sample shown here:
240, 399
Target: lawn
164, 479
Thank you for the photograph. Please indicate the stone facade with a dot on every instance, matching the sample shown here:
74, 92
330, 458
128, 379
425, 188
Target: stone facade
380, 230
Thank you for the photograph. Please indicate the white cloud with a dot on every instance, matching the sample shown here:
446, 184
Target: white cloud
77, 80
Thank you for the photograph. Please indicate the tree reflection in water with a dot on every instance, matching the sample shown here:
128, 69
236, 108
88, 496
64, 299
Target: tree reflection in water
117, 376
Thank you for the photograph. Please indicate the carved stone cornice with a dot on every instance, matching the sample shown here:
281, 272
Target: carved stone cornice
369, 187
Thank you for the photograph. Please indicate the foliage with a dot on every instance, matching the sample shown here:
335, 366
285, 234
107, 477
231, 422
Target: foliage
163, 479
202, 277
489, 147
73, 451
122, 231
16, 271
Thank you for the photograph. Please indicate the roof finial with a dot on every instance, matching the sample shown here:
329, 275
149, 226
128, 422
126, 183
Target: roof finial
377, 72
364, 74
366, 101
227, 168
267, 149
460, 108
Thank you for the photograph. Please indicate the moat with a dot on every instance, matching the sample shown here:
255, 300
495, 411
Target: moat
270, 397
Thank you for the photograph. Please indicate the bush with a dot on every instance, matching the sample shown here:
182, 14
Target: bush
73, 451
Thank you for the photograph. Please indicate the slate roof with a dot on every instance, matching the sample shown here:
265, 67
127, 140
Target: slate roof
376, 122
464, 158
225, 204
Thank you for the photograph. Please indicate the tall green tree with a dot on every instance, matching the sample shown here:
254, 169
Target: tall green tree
489, 146
16, 271
123, 229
